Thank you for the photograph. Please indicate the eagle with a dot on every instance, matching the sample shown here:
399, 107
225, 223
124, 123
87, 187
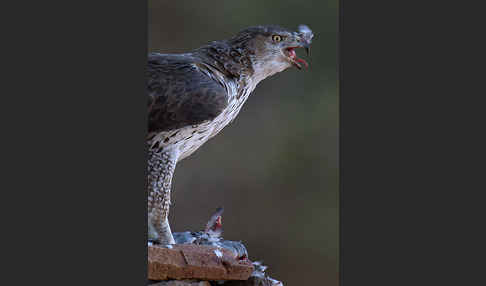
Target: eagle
193, 96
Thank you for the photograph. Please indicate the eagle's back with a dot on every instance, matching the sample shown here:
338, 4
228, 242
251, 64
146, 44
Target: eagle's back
180, 94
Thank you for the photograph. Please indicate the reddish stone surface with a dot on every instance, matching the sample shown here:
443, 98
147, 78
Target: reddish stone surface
189, 261
181, 283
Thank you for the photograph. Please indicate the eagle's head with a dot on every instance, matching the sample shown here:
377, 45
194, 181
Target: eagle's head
258, 52
271, 49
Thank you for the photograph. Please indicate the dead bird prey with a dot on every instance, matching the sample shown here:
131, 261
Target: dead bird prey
192, 96
211, 236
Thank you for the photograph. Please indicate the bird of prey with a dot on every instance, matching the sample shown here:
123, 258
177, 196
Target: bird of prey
192, 96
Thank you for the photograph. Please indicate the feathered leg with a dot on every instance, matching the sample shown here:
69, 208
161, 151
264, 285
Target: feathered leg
161, 165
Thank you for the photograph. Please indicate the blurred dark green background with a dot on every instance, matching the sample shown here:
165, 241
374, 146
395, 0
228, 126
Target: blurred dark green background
275, 168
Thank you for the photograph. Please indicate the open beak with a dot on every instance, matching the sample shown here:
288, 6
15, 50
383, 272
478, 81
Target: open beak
292, 55
303, 39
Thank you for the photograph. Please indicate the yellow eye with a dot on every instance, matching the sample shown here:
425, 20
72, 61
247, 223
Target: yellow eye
276, 38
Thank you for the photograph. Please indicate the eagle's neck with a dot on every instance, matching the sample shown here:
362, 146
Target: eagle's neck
230, 60
237, 88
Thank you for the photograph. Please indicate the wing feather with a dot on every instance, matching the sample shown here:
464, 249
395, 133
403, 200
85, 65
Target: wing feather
180, 94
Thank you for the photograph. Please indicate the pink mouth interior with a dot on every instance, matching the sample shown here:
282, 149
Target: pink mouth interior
294, 57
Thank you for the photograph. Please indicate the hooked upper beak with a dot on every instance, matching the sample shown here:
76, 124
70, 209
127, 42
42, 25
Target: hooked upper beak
304, 43
305, 35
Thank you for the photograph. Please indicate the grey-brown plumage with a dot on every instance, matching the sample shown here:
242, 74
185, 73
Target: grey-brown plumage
180, 94
193, 96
